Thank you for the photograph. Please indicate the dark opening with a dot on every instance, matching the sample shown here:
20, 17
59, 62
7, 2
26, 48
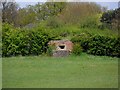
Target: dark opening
62, 47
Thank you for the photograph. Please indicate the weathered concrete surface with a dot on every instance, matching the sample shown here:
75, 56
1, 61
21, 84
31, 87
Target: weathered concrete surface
61, 53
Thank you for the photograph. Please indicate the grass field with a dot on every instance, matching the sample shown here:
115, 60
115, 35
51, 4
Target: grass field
85, 71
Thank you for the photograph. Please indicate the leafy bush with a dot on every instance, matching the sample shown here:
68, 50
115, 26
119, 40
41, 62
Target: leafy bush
83, 39
77, 49
50, 49
23, 42
99, 45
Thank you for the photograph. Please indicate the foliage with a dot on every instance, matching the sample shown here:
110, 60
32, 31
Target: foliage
49, 51
82, 39
75, 13
77, 49
104, 46
23, 42
99, 45
111, 18
9, 11
54, 22
91, 21
48, 9
21, 17
25, 16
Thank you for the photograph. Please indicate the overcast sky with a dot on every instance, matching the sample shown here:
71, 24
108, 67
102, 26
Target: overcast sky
109, 5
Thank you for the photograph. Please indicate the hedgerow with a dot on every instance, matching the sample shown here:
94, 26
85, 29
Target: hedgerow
23, 42
98, 45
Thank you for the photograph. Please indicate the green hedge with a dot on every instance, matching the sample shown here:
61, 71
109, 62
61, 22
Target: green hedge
23, 42
98, 45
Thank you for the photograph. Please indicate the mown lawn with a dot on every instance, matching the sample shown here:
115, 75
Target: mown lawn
85, 71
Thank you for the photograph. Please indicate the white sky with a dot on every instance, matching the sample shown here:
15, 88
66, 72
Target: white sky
110, 5
69, 0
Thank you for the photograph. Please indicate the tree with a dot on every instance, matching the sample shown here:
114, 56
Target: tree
76, 12
25, 16
38, 12
9, 11
111, 18
48, 9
